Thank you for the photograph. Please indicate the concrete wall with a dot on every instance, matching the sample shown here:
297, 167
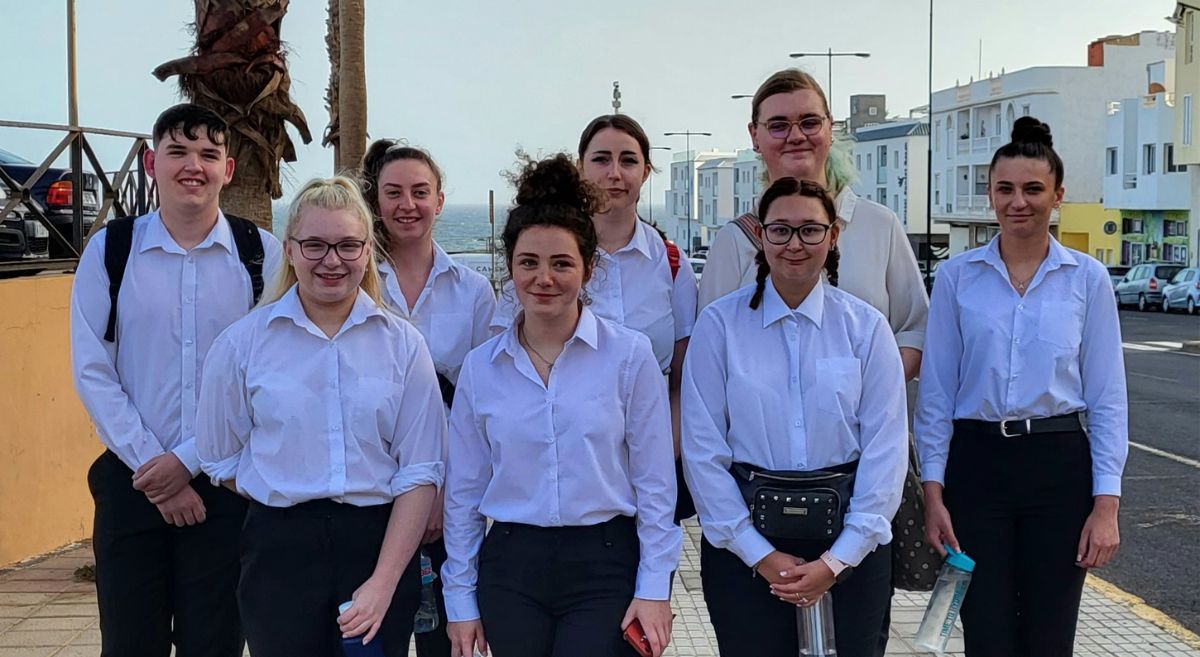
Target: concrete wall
47, 442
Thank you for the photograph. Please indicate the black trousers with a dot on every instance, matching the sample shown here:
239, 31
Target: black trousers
557, 591
299, 563
749, 620
1018, 506
157, 584
437, 642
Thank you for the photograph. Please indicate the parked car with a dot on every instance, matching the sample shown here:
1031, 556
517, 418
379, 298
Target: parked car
53, 194
1116, 273
1183, 292
1144, 284
697, 266
21, 236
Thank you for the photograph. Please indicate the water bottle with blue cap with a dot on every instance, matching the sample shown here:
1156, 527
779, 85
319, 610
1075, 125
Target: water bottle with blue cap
945, 601
353, 646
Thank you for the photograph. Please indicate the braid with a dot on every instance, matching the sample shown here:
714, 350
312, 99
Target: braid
831, 265
760, 281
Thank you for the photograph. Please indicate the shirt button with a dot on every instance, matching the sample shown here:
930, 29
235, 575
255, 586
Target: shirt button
337, 427
333, 382
337, 468
187, 299
188, 341
1021, 307
797, 423
795, 380
188, 385
1017, 341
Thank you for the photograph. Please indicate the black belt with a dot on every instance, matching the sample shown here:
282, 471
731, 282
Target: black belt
1014, 428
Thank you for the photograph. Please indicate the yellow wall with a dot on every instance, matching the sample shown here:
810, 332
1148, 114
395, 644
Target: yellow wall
1081, 227
46, 439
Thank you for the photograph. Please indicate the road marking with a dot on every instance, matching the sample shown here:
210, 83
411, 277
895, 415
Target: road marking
1156, 378
1169, 345
1142, 347
1139, 607
1166, 455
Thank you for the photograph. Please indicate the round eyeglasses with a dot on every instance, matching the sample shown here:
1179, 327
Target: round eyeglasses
781, 128
315, 249
780, 234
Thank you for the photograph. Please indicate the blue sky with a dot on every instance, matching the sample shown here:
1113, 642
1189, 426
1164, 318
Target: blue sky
471, 81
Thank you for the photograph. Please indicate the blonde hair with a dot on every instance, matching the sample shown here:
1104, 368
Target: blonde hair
336, 193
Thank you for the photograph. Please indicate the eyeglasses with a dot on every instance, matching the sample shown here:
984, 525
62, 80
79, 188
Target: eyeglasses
781, 129
315, 249
780, 234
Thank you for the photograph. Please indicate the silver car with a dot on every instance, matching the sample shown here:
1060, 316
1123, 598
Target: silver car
1144, 284
1183, 292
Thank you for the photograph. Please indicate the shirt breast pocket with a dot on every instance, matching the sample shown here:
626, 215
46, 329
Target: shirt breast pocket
449, 339
375, 409
837, 385
1062, 329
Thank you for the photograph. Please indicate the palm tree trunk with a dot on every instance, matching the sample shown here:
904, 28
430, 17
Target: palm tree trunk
352, 86
333, 45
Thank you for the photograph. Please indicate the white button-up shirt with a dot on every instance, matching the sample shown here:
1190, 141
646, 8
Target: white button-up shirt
141, 390
296, 416
803, 389
633, 287
592, 445
452, 313
995, 355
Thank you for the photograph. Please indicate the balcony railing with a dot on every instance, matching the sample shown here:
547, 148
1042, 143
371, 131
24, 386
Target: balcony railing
1129, 181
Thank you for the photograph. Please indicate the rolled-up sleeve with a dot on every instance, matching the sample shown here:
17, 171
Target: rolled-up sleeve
1102, 369
883, 451
469, 471
933, 421
652, 472
683, 300
707, 455
419, 440
223, 418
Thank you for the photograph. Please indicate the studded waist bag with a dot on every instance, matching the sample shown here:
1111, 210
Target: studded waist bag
797, 505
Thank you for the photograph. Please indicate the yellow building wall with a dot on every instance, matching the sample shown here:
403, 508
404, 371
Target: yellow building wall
1081, 227
47, 442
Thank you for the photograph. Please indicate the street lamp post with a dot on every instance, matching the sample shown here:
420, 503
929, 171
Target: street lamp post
687, 135
651, 203
830, 54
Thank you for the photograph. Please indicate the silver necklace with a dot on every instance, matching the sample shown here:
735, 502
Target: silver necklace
525, 342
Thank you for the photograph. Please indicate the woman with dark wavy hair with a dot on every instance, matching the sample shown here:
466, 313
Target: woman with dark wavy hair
561, 435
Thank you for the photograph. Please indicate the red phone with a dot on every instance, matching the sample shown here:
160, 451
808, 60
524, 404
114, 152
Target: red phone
636, 637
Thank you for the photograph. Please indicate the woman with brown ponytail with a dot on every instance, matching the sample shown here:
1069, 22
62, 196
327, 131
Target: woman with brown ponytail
794, 379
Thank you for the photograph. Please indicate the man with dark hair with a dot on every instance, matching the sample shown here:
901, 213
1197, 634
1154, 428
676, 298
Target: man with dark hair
165, 539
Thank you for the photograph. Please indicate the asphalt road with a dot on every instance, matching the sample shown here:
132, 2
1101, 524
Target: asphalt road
1159, 559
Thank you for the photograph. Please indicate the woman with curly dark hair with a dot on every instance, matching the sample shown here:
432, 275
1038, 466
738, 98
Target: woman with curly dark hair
561, 436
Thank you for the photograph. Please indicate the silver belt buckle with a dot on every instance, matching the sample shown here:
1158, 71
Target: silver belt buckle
1004, 429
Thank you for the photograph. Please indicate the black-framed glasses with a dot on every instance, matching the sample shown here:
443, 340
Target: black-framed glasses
779, 233
315, 249
781, 128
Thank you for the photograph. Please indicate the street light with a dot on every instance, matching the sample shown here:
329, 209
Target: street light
830, 54
687, 135
651, 203
741, 96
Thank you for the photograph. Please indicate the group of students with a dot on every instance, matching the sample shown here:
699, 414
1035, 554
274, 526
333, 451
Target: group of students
288, 430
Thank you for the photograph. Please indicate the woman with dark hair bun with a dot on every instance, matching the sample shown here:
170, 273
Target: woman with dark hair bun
796, 382
1022, 418
561, 435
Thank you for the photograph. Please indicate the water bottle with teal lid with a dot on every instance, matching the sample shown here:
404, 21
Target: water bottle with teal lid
945, 601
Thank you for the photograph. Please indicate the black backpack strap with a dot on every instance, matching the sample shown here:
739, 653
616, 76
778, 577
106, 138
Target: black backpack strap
250, 251
446, 388
118, 241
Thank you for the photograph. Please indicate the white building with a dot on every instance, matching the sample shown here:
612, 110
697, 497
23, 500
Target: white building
971, 121
747, 184
714, 186
892, 161
1143, 180
1187, 107
684, 187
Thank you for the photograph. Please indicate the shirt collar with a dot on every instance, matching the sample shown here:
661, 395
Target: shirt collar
442, 263
640, 241
774, 308
1057, 256
157, 237
289, 307
586, 331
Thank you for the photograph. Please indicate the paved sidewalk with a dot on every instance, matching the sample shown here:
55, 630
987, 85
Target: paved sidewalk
45, 613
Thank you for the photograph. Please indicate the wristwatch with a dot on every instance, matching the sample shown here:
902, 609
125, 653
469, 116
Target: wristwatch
841, 571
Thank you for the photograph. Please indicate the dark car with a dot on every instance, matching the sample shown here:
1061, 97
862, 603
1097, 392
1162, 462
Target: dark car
1144, 284
53, 194
1116, 273
21, 236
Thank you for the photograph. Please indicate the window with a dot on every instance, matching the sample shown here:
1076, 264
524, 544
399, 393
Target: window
1131, 226
872, 111
1169, 165
1148, 157
882, 157
895, 159
858, 161
868, 161
937, 189
1189, 29
1187, 120
882, 196
1024, 110
937, 135
896, 203
997, 123
1111, 158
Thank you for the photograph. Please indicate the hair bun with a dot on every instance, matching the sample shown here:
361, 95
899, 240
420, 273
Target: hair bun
1030, 130
556, 181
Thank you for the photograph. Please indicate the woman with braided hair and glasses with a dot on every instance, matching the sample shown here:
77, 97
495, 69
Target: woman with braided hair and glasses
792, 378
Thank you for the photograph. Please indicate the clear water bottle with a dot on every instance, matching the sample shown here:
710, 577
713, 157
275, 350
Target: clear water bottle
353, 646
945, 602
814, 627
426, 619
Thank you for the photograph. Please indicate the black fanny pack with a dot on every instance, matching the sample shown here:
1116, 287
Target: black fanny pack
791, 504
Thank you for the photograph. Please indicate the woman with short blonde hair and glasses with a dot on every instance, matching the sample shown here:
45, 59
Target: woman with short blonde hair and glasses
324, 410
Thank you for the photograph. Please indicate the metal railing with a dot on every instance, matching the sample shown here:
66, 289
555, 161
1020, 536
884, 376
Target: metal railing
125, 191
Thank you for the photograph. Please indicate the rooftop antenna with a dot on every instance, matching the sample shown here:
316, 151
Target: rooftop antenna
616, 97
